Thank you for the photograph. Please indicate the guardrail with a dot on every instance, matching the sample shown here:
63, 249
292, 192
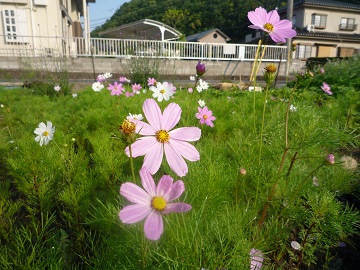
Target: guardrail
127, 48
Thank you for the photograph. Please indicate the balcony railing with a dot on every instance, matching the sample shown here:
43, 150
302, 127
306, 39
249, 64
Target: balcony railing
349, 27
127, 48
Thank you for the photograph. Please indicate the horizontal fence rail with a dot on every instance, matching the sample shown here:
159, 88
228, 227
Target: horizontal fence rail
126, 48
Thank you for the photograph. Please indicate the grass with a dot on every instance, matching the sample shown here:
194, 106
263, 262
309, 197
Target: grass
59, 203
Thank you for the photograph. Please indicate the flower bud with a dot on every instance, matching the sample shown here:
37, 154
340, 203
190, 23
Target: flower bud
200, 69
242, 171
330, 159
127, 130
270, 73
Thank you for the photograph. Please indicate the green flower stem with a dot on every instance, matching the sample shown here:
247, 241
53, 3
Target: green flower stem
304, 180
308, 231
262, 123
191, 99
132, 164
144, 251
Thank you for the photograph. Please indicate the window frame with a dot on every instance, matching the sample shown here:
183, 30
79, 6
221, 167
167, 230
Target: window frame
321, 22
303, 51
15, 26
347, 24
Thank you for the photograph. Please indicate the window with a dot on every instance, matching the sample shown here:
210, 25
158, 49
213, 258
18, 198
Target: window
347, 24
15, 27
293, 20
318, 20
303, 51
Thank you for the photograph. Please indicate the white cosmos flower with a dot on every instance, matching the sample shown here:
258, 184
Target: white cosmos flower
199, 88
74, 95
134, 117
192, 78
292, 108
57, 88
97, 86
107, 75
45, 133
295, 245
162, 91
201, 103
204, 85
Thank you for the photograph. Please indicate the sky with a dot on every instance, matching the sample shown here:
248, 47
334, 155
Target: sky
102, 10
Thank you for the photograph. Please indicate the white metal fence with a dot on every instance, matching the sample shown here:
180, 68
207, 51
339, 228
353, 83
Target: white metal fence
127, 48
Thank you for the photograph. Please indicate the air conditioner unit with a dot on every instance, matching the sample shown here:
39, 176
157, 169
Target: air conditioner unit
310, 28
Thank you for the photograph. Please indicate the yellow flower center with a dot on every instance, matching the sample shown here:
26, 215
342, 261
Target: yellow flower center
128, 127
45, 133
162, 136
162, 91
205, 116
158, 203
269, 27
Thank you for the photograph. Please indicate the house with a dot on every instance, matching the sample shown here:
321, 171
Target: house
209, 36
325, 28
42, 26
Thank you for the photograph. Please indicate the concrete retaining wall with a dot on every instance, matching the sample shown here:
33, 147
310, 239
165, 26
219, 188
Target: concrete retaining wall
86, 68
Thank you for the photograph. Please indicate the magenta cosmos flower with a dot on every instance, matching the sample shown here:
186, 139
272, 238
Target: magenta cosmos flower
205, 116
256, 259
271, 24
116, 89
326, 88
159, 139
152, 202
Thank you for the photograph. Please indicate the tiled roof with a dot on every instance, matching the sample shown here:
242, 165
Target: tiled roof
328, 3
196, 37
327, 35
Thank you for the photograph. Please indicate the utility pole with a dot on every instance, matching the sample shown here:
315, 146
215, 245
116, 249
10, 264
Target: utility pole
289, 15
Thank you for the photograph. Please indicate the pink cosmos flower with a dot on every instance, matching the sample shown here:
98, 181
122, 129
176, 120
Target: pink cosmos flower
271, 24
129, 94
116, 89
159, 139
205, 116
151, 81
256, 259
326, 88
136, 88
190, 90
152, 202
124, 80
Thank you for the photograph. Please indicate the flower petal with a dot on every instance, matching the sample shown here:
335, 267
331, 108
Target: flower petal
142, 146
134, 213
147, 182
189, 134
258, 16
135, 194
152, 160
144, 128
171, 116
185, 149
152, 113
153, 226
175, 160
272, 17
176, 190
164, 186
176, 207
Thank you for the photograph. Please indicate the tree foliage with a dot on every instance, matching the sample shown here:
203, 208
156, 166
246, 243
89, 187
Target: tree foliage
194, 16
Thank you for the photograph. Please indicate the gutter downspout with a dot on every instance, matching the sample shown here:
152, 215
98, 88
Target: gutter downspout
32, 26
